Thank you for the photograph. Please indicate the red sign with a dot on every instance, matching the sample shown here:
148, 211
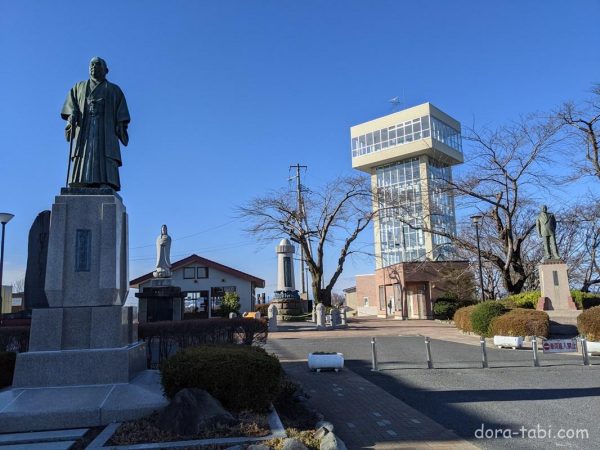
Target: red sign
560, 345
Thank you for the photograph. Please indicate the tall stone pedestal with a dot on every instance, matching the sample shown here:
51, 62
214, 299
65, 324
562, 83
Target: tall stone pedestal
85, 342
554, 284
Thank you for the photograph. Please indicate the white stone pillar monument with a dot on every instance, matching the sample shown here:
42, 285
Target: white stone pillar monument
285, 266
286, 296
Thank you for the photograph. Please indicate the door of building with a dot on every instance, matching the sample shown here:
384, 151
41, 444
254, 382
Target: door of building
159, 309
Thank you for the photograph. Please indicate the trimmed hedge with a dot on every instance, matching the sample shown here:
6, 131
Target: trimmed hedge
240, 377
462, 318
521, 322
444, 307
588, 323
585, 300
528, 300
483, 314
166, 338
7, 368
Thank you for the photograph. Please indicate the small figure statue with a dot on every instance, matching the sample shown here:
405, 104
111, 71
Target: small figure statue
546, 228
97, 118
163, 254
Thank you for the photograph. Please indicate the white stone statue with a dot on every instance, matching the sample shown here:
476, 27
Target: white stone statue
163, 254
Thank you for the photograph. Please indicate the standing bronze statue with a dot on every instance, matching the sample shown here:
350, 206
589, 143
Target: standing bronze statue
97, 118
546, 227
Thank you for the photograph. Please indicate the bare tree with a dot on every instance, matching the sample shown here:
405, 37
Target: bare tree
332, 215
505, 177
19, 285
580, 241
337, 298
583, 122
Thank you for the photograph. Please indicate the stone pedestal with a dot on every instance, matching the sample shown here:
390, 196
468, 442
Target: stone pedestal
288, 303
87, 249
160, 303
85, 342
554, 284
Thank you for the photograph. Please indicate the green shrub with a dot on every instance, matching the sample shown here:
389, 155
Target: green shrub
528, 300
590, 302
230, 304
482, 315
240, 377
585, 300
588, 323
521, 322
444, 310
7, 368
445, 307
462, 318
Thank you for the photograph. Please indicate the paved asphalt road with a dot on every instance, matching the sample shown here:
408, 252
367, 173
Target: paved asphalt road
463, 397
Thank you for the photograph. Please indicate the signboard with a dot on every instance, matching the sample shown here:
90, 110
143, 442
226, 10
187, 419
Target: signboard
560, 345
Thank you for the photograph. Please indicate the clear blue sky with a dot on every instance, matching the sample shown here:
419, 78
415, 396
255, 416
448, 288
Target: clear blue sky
225, 95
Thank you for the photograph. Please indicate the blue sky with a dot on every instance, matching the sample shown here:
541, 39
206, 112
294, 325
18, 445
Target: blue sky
225, 95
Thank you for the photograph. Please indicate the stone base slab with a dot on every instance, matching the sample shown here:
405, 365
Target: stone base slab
79, 367
36, 409
83, 327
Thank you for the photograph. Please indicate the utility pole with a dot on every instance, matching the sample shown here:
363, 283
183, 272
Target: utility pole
302, 214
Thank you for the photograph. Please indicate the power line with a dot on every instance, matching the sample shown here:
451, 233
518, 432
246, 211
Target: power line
189, 235
301, 216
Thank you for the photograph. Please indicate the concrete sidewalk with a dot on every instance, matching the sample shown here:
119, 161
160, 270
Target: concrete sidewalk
367, 417
374, 326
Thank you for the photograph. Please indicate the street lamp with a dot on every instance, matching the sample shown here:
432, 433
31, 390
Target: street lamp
4, 219
476, 219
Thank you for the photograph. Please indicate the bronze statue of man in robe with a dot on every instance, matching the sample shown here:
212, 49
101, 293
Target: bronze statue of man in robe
546, 228
97, 118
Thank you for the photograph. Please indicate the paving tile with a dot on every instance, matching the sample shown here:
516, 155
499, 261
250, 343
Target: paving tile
392, 425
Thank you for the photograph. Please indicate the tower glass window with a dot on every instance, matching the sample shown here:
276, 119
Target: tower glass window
405, 132
441, 209
399, 185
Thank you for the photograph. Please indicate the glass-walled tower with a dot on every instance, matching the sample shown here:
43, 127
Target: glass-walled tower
409, 155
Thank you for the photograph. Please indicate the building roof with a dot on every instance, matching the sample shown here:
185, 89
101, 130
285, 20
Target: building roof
195, 259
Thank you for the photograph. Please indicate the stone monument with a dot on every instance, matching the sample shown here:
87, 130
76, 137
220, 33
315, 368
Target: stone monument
272, 316
161, 301
37, 255
85, 366
286, 296
320, 316
553, 272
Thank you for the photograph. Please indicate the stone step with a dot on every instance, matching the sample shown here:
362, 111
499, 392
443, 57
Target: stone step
558, 330
568, 317
42, 436
63, 445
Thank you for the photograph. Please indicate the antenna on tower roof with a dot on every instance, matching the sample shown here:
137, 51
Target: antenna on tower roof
395, 101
